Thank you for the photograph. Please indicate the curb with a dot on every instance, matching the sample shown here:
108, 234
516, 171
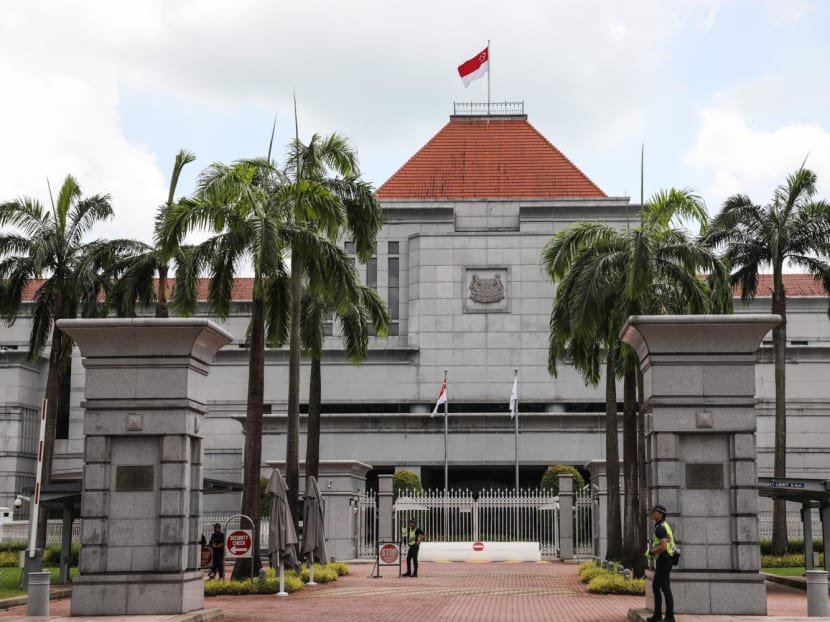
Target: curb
18, 601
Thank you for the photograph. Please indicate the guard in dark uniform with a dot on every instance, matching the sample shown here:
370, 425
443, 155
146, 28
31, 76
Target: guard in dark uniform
661, 550
412, 536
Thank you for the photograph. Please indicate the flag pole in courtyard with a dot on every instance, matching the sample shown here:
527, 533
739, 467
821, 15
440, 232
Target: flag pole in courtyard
446, 462
514, 414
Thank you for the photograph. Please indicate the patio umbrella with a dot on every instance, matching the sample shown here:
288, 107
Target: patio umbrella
282, 537
314, 538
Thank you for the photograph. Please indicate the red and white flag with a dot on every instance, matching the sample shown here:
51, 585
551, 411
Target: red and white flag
442, 398
474, 68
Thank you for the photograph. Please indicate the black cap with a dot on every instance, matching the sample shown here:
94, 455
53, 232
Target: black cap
659, 508
215, 525
412, 520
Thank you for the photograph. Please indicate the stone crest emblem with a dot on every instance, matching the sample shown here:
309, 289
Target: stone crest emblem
486, 291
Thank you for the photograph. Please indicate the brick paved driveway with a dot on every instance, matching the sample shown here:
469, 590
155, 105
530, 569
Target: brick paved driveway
485, 592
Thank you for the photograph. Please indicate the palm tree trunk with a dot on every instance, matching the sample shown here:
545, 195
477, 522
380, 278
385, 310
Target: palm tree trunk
312, 452
612, 460
779, 344
253, 437
639, 570
292, 447
161, 300
53, 383
632, 552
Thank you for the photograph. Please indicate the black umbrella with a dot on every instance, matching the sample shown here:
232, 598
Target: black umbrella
314, 537
282, 537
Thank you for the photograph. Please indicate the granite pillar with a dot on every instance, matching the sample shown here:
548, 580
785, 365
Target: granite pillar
699, 375
142, 480
566, 515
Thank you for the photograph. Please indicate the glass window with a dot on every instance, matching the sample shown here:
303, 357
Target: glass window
372, 273
394, 277
393, 248
349, 246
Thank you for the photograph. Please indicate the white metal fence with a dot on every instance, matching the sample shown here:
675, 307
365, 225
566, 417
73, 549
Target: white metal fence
795, 528
491, 516
366, 524
18, 531
583, 522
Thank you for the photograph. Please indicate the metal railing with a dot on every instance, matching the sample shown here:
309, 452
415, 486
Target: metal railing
795, 528
366, 524
583, 522
491, 516
475, 109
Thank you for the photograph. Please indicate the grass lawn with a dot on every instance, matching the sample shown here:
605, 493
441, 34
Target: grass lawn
10, 580
785, 572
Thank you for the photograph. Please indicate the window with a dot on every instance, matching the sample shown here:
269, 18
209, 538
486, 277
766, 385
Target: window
372, 273
394, 289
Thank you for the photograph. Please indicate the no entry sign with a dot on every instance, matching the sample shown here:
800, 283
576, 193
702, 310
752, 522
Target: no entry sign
239, 543
478, 546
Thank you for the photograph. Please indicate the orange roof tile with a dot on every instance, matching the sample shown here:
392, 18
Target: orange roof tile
480, 157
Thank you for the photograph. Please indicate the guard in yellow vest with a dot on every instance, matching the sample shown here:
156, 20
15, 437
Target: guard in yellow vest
412, 537
661, 550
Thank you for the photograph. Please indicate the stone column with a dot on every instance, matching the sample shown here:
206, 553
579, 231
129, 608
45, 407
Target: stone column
599, 523
385, 503
142, 480
699, 374
566, 515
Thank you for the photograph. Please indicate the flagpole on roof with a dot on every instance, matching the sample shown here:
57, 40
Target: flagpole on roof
489, 71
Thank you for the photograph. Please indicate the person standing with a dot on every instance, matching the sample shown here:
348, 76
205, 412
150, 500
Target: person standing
661, 550
413, 536
217, 546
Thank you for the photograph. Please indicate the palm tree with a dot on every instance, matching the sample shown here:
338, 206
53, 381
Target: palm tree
793, 229
50, 244
326, 200
354, 317
237, 204
137, 280
604, 276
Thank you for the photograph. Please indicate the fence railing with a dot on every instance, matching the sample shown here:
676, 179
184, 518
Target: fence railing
795, 528
584, 522
366, 524
494, 516
18, 531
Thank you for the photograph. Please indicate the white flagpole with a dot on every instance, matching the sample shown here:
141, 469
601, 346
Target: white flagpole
516, 422
489, 71
446, 463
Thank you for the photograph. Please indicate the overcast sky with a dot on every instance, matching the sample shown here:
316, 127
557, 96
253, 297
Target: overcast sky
727, 96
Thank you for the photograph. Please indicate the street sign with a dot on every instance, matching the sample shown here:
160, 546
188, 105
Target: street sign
478, 546
207, 557
239, 543
389, 554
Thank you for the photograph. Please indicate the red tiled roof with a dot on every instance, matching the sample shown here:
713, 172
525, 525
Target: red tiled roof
488, 158
797, 285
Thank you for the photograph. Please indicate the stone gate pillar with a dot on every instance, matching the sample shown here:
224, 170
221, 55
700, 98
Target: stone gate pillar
142, 481
699, 375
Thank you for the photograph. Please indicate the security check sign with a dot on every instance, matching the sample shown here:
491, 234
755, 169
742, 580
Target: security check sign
239, 543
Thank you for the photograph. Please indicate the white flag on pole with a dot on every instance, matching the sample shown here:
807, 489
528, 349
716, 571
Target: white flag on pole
442, 398
514, 397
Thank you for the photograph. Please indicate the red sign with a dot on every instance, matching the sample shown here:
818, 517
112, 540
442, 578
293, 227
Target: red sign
478, 546
239, 543
389, 554
207, 557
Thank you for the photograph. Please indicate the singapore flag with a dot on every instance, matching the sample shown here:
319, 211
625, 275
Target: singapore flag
474, 68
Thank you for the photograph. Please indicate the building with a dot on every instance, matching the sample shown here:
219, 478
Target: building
458, 262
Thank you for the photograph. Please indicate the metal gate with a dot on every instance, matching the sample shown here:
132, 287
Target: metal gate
583, 522
492, 516
366, 524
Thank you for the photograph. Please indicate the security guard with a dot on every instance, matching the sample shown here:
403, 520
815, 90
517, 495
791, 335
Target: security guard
412, 536
661, 549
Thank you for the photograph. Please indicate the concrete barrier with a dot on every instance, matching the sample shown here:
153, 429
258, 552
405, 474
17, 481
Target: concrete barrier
480, 551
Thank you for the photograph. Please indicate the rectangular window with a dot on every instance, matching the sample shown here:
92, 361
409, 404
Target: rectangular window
349, 246
394, 289
393, 248
372, 273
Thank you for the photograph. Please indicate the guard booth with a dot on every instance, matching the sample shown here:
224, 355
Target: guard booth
811, 494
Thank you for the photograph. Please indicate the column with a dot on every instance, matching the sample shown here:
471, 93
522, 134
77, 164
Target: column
566, 515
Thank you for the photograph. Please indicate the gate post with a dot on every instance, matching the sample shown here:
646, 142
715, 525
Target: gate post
566, 515
600, 514
385, 509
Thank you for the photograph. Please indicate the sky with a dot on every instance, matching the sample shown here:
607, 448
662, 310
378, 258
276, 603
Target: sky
724, 96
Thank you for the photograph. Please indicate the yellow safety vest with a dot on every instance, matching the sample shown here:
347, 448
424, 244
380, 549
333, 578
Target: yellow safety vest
656, 541
409, 536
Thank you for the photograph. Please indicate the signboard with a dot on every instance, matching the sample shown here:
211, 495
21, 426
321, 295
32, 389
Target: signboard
389, 555
206, 557
239, 543
478, 546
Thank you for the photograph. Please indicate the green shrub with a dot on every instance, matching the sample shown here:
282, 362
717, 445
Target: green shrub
271, 585
9, 559
13, 546
614, 583
405, 481
792, 560
322, 574
550, 479
589, 570
796, 545
342, 568
52, 554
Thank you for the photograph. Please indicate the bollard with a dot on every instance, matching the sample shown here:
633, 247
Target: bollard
605, 563
627, 575
37, 603
817, 605
598, 561
262, 575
